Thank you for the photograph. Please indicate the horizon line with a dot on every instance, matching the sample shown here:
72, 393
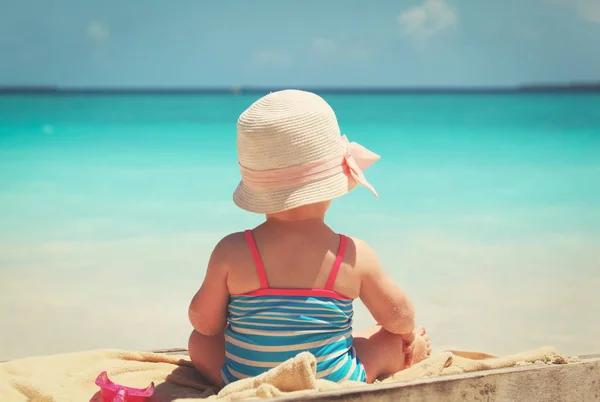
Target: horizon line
240, 89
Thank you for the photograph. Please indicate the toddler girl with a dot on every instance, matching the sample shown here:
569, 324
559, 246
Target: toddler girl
288, 285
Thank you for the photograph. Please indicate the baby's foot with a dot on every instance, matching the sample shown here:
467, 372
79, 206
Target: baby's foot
421, 346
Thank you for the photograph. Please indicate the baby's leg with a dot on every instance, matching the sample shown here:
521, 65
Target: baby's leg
381, 352
208, 355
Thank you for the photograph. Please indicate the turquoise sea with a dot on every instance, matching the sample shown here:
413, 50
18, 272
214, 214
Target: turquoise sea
488, 216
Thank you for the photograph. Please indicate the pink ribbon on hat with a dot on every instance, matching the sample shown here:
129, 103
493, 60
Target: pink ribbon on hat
354, 159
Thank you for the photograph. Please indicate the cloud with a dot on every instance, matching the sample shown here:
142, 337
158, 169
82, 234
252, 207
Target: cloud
340, 49
588, 10
271, 58
324, 44
98, 32
430, 18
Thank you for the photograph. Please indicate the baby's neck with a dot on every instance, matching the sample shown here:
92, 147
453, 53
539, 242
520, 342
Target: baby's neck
308, 213
306, 225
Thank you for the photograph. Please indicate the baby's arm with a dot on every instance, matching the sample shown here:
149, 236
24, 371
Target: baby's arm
386, 302
208, 310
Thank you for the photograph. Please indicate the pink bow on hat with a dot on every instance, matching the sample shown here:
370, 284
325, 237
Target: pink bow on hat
357, 159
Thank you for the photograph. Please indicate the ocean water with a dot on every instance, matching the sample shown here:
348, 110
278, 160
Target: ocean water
488, 216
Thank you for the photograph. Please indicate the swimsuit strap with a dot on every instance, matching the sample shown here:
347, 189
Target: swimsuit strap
336, 265
260, 269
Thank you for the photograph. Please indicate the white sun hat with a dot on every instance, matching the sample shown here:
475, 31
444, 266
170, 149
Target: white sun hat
291, 153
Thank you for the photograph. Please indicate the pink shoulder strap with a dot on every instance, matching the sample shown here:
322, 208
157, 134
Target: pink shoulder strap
336, 265
260, 269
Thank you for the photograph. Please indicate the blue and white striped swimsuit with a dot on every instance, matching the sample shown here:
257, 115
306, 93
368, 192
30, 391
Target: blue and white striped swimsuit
269, 326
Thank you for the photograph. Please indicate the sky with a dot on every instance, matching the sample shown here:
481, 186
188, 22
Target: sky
157, 43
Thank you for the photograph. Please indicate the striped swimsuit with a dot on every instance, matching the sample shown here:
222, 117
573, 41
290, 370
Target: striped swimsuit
268, 326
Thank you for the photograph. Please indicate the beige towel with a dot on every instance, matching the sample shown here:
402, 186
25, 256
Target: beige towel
456, 362
70, 377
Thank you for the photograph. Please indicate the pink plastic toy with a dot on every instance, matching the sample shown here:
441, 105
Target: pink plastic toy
112, 392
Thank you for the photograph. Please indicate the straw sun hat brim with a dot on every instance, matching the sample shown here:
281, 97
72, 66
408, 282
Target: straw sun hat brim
272, 200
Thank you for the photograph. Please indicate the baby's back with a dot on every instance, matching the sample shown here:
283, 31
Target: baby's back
293, 258
286, 298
